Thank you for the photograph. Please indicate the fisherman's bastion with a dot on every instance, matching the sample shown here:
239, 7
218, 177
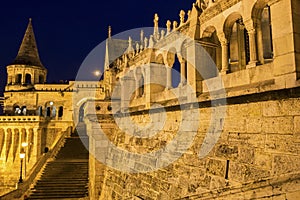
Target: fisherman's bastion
229, 128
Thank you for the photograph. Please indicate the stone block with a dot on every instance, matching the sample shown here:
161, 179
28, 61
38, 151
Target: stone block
236, 171
284, 44
216, 167
281, 25
235, 124
261, 73
284, 64
285, 164
246, 155
297, 125
293, 195
263, 160
282, 144
291, 107
272, 108
282, 125
226, 151
254, 125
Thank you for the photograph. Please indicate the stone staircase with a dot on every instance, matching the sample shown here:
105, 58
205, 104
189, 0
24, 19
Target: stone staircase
65, 177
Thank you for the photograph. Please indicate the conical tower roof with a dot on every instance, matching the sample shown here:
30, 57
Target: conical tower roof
28, 53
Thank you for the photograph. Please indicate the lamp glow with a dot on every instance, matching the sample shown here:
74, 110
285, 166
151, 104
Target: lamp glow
22, 155
24, 144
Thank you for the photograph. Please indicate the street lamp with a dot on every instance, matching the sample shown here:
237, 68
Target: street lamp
24, 145
22, 156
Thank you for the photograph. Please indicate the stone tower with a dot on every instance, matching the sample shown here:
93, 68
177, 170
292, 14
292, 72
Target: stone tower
27, 68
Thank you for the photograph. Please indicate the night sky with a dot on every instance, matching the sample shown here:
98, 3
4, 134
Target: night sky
66, 31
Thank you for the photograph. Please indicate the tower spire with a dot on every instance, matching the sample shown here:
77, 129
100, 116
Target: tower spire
28, 52
109, 31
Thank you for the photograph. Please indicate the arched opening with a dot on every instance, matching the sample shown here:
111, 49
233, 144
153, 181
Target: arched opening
266, 27
23, 110
41, 79
27, 79
18, 79
53, 114
48, 111
141, 86
176, 73
40, 111
60, 111
237, 35
210, 42
17, 110
261, 13
81, 113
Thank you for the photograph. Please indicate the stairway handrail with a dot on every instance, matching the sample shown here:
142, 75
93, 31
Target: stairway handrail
25, 186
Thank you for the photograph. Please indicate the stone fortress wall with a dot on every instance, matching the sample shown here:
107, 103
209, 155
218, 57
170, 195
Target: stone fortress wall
257, 154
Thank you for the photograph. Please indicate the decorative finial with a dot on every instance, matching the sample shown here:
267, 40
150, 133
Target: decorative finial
189, 14
130, 48
145, 42
151, 42
156, 18
162, 34
109, 31
182, 15
156, 32
168, 26
30, 20
175, 25
142, 36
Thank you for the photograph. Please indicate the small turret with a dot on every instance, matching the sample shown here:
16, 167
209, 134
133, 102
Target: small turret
27, 68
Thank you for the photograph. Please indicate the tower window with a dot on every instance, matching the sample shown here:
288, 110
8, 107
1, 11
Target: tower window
27, 79
18, 78
41, 79
60, 111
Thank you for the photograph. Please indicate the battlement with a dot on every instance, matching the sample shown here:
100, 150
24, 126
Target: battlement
21, 119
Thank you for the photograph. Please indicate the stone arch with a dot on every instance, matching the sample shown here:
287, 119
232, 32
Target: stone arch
258, 8
212, 45
2, 139
238, 42
8, 142
28, 78
208, 31
261, 15
41, 78
81, 112
23, 135
229, 23
18, 78
60, 111
16, 143
17, 109
140, 80
159, 59
30, 139
40, 111
170, 56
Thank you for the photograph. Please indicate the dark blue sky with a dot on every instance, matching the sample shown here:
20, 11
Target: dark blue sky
66, 31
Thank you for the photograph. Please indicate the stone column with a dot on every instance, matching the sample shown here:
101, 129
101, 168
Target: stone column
252, 45
23, 77
182, 72
225, 67
136, 77
260, 47
169, 77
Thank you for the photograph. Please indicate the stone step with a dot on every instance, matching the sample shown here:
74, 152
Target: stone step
67, 176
